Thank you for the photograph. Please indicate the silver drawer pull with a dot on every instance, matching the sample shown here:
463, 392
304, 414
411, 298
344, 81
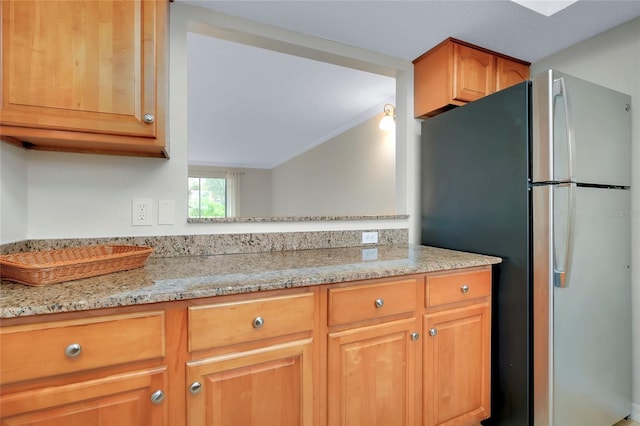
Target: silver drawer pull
379, 303
195, 387
258, 322
433, 332
73, 350
157, 397
148, 118
464, 288
415, 336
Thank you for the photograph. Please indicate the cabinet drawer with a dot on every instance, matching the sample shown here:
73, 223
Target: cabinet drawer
47, 349
372, 301
457, 287
238, 322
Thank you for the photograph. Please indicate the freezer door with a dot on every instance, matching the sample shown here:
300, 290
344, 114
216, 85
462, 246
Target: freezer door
581, 132
587, 381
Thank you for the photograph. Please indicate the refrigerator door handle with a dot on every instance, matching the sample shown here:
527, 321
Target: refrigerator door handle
561, 260
560, 90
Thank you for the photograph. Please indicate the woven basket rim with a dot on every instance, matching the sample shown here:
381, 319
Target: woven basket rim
10, 259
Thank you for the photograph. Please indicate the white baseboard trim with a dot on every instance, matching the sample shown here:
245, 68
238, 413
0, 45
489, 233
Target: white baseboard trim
635, 412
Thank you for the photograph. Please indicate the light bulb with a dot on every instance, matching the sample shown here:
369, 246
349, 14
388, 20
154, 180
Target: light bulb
387, 123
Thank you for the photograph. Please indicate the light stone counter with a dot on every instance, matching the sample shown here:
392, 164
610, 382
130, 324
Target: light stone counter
189, 277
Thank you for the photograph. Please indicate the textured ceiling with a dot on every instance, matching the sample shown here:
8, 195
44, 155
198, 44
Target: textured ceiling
403, 29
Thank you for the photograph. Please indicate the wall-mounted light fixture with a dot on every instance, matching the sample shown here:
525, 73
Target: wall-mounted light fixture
388, 122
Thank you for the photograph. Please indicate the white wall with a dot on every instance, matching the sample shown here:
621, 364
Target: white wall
13, 193
612, 59
85, 195
255, 193
323, 180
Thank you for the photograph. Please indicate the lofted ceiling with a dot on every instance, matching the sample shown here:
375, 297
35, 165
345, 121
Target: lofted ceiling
273, 106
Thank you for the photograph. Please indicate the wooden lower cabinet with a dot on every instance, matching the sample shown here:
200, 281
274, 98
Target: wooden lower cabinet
456, 366
372, 375
122, 399
394, 351
271, 386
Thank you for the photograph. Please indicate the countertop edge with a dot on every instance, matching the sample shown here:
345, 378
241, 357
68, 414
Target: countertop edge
251, 283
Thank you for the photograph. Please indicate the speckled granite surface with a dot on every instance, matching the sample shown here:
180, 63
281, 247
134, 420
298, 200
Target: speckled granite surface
211, 244
180, 278
295, 218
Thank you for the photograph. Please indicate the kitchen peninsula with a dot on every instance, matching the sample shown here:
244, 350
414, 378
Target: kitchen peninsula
299, 335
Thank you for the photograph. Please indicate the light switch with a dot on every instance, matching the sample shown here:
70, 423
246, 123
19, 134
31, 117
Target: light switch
166, 212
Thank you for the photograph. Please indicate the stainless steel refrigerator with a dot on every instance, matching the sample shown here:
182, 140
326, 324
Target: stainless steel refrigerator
539, 174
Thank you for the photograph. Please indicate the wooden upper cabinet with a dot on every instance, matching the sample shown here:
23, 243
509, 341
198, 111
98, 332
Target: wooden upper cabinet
455, 72
85, 75
473, 73
509, 73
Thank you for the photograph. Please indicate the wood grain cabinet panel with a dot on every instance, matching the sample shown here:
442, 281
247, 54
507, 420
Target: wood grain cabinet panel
457, 287
47, 349
231, 323
457, 348
457, 366
473, 73
123, 399
371, 301
272, 386
455, 72
509, 73
259, 369
372, 375
84, 75
87, 370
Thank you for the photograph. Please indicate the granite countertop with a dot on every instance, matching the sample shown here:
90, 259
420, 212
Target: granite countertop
189, 277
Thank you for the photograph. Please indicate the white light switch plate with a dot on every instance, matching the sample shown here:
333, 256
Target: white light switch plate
166, 212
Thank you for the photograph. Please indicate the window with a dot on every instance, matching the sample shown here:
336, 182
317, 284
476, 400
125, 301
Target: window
207, 197
213, 192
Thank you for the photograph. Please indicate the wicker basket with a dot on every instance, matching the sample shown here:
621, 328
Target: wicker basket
40, 268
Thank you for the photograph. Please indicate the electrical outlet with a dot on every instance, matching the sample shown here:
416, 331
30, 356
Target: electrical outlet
370, 254
370, 237
141, 212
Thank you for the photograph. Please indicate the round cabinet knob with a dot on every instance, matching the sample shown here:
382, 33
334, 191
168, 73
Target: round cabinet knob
195, 387
148, 118
415, 336
379, 303
433, 332
73, 350
258, 322
157, 397
464, 288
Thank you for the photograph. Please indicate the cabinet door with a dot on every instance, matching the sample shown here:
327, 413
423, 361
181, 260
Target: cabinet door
372, 375
79, 65
457, 366
473, 73
270, 386
124, 399
509, 73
